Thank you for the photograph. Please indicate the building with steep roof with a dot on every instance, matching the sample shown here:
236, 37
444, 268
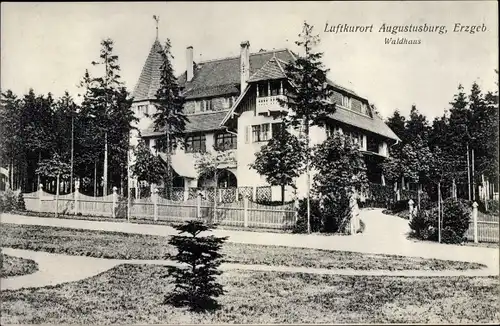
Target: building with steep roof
233, 102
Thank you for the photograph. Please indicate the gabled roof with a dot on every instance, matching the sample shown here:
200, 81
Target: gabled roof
209, 75
206, 121
149, 80
373, 124
271, 70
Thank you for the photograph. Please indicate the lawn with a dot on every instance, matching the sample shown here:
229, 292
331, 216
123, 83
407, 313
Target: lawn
133, 294
15, 266
134, 246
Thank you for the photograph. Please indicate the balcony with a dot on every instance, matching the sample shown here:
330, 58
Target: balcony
268, 104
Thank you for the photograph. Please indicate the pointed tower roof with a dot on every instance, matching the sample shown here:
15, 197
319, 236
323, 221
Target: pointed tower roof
272, 69
149, 80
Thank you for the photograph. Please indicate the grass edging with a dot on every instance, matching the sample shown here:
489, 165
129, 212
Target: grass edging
117, 245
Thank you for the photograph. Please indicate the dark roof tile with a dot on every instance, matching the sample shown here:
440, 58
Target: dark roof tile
271, 70
206, 121
149, 80
375, 124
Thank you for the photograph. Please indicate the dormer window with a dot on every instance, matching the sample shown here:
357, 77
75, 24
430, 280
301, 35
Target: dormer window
227, 102
346, 101
203, 105
364, 109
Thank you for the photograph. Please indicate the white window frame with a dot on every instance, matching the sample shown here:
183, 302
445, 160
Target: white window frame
261, 132
346, 101
364, 108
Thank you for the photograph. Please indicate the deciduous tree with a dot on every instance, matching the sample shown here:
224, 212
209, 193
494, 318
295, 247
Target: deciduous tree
281, 160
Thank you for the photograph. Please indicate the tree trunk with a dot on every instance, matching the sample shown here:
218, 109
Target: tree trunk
38, 174
215, 197
439, 212
308, 173
57, 196
472, 176
468, 173
169, 172
95, 178
419, 191
282, 194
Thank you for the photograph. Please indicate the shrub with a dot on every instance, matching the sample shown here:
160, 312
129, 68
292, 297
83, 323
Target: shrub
335, 210
196, 285
273, 202
493, 206
456, 219
9, 200
301, 225
423, 224
399, 206
20, 205
326, 214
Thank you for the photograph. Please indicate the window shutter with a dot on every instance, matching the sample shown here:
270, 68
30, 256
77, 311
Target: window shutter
247, 134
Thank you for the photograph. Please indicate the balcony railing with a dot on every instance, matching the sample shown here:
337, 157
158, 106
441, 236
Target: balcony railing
270, 103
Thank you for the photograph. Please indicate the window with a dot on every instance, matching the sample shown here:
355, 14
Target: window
203, 105
372, 145
262, 90
142, 109
196, 143
146, 141
275, 129
227, 102
356, 138
226, 140
346, 101
260, 132
364, 109
207, 105
275, 87
330, 130
197, 106
160, 145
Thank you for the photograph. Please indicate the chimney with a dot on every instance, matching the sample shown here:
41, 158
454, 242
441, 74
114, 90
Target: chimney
244, 64
189, 63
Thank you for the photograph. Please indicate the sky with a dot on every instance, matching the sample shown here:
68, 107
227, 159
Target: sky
48, 46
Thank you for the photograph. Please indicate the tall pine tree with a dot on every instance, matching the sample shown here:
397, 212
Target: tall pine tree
169, 116
309, 97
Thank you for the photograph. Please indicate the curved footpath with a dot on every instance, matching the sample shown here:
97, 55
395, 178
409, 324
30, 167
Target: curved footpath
384, 234
56, 269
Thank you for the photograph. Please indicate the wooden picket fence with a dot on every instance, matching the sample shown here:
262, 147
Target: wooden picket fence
483, 228
242, 213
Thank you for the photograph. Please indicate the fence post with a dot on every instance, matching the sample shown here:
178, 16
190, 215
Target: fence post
155, 204
186, 194
474, 220
75, 196
410, 208
40, 194
115, 197
245, 211
198, 205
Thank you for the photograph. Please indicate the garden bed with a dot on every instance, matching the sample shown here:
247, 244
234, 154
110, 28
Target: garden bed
15, 266
133, 294
103, 244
